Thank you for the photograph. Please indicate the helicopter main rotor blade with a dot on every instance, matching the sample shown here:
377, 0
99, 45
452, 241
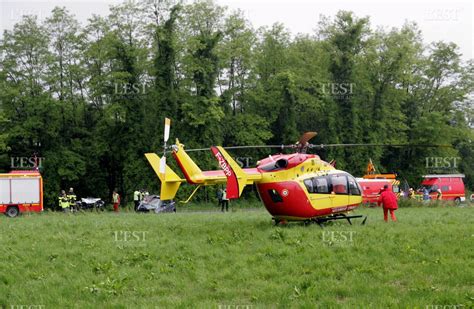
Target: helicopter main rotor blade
306, 137
321, 146
244, 147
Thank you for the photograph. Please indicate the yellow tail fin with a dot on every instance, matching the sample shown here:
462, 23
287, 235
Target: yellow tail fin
191, 171
170, 182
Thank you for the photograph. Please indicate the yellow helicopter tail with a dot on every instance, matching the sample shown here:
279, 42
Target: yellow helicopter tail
191, 171
170, 181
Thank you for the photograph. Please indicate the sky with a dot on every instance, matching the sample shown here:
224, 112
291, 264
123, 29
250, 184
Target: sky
449, 21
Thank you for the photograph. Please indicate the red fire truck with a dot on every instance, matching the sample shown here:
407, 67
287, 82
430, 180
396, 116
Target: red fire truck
21, 191
371, 188
451, 186
372, 183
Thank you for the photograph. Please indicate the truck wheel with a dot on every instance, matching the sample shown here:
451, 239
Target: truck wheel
457, 201
12, 211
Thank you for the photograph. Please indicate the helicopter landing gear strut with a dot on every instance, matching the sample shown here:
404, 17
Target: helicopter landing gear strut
321, 221
279, 221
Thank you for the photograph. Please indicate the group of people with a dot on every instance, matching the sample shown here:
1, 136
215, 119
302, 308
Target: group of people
138, 196
411, 194
67, 202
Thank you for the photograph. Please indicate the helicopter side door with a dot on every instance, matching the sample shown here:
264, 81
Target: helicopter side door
319, 191
339, 190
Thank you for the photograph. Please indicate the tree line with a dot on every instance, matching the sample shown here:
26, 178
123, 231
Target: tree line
90, 99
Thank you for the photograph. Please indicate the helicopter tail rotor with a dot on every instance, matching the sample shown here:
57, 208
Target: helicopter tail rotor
166, 137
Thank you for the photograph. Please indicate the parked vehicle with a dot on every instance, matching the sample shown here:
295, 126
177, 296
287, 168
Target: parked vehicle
153, 203
451, 186
373, 182
90, 203
21, 191
371, 188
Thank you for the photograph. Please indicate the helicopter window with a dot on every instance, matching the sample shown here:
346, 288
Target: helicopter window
320, 185
339, 184
354, 188
309, 185
275, 196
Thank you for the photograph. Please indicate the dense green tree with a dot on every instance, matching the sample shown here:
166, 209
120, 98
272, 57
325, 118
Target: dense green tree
91, 99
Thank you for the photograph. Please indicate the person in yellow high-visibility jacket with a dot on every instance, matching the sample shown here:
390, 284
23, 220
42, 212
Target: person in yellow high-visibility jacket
63, 201
71, 196
137, 197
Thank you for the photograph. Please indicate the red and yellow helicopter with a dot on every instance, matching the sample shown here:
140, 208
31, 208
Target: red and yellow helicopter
293, 187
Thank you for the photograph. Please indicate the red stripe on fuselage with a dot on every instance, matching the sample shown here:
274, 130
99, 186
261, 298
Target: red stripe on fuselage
186, 175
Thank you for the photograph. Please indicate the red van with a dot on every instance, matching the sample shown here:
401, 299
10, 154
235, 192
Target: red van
452, 187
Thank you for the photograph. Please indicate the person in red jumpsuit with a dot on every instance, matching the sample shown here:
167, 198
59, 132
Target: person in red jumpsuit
389, 201
116, 200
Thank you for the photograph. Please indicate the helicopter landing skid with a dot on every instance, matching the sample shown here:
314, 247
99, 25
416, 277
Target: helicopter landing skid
321, 221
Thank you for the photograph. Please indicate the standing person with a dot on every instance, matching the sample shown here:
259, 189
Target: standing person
411, 193
143, 194
439, 194
426, 195
225, 201
116, 200
389, 201
63, 201
71, 197
136, 199
219, 197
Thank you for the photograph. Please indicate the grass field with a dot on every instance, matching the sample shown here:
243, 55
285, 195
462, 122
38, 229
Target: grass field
237, 260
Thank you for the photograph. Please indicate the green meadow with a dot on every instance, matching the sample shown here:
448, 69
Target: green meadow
238, 259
